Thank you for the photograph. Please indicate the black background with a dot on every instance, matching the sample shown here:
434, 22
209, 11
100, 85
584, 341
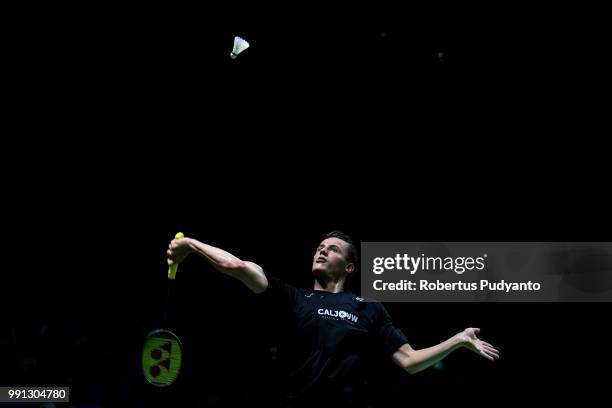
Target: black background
132, 124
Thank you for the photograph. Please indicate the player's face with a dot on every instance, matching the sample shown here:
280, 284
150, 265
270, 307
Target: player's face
330, 258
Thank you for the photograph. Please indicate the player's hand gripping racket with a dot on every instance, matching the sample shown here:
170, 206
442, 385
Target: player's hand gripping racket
174, 267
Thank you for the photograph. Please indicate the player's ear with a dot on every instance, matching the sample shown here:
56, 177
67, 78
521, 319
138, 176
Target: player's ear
350, 267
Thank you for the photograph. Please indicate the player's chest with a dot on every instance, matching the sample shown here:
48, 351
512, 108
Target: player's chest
317, 309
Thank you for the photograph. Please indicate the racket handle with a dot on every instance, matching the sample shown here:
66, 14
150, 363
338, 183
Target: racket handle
174, 267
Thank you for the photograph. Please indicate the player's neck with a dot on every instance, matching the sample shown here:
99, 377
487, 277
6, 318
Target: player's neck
333, 286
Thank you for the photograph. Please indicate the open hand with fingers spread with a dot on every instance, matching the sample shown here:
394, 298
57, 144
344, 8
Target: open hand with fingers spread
469, 340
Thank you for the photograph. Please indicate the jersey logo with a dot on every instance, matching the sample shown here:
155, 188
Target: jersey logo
337, 315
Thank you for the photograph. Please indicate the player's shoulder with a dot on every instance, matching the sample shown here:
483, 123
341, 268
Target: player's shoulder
370, 305
363, 301
305, 293
357, 298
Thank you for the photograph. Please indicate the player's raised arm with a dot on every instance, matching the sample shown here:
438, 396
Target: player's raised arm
249, 273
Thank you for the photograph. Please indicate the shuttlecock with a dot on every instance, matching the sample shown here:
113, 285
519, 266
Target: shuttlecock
240, 44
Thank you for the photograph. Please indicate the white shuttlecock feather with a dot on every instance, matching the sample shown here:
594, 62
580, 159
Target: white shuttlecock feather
240, 44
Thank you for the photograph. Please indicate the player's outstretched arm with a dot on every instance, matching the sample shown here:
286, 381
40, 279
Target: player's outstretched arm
249, 273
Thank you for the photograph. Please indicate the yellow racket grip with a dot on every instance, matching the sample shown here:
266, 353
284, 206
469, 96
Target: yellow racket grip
174, 267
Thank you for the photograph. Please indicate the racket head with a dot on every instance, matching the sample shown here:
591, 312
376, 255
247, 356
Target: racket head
162, 354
